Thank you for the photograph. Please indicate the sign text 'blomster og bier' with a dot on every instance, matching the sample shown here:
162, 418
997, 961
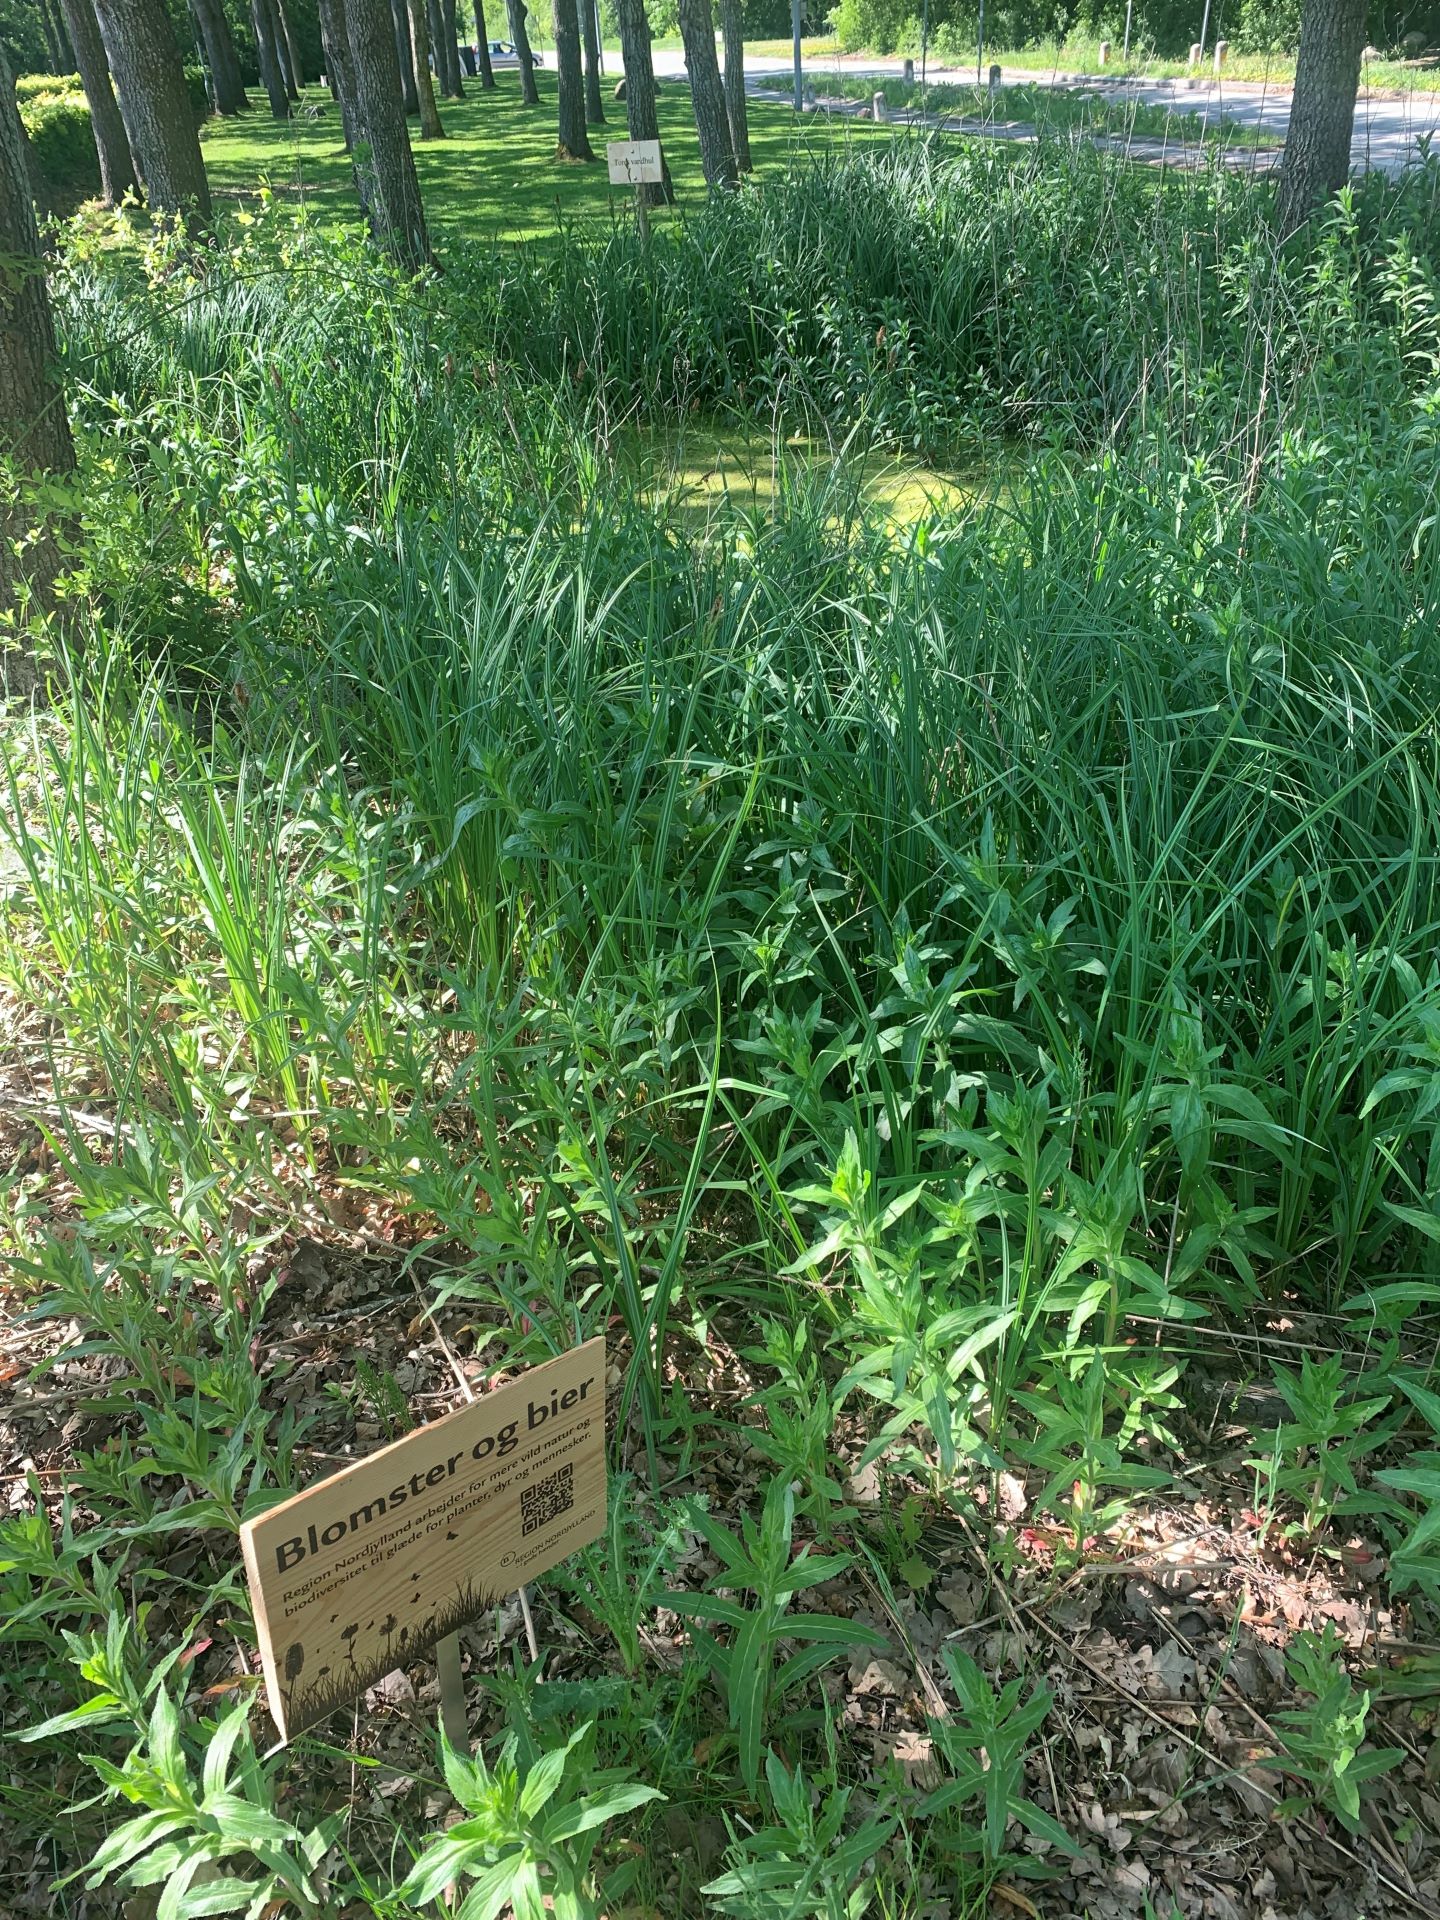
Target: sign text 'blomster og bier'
369, 1568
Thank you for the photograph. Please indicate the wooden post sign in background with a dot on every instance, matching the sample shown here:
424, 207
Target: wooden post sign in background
370, 1567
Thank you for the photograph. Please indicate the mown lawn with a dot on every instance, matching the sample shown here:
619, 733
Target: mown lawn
495, 175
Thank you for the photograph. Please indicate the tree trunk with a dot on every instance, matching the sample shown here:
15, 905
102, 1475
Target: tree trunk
520, 39
340, 68
127, 119
67, 45
1316, 160
590, 34
435, 33
56, 51
430, 127
292, 52
282, 49
640, 110
226, 84
717, 155
390, 190
33, 427
454, 79
732, 27
574, 142
117, 170
482, 49
400, 15
145, 61
268, 57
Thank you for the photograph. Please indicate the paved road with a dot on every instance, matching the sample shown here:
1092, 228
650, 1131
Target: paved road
1387, 130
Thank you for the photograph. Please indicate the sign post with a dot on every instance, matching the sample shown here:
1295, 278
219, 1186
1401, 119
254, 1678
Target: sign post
386, 1558
638, 164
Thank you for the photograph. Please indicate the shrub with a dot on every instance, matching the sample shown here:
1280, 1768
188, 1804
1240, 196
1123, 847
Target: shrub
31, 86
58, 124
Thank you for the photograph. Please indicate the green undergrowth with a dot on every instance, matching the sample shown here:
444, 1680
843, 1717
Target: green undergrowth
951, 965
1060, 110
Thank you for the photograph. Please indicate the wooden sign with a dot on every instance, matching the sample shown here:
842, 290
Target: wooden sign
634, 162
368, 1568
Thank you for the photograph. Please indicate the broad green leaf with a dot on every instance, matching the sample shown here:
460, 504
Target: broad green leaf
542, 1780
566, 1822
231, 1730
442, 1861
489, 1896
117, 1848
103, 1709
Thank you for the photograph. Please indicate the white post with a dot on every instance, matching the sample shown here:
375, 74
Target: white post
1222, 53
795, 29
879, 107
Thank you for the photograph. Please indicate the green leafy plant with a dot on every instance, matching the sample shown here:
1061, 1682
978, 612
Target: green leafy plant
753, 1674
1313, 1457
529, 1840
803, 1865
985, 1746
210, 1836
1325, 1741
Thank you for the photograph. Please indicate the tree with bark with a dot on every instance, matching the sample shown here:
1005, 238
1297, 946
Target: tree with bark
293, 62
400, 15
435, 26
34, 432
1316, 160
117, 169
482, 49
57, 44
340, 68
454, 78
268, 58
717, 154
430, 127
641, 114
520, 40
282, 49
573, 142
590, 34
227, 84
140, 45
732, 29
384, 164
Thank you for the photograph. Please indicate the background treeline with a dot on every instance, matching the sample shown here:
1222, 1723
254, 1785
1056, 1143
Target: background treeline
1163, 27
34, 41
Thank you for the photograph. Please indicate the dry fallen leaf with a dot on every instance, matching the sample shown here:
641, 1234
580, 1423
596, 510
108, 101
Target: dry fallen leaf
392, 1689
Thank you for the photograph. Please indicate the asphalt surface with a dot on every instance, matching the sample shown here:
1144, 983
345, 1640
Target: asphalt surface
1388, 130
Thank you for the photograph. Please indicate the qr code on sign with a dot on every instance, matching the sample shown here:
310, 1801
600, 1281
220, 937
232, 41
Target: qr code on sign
547, 1498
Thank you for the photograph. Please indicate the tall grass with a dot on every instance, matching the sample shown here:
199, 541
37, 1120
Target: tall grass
1040, 909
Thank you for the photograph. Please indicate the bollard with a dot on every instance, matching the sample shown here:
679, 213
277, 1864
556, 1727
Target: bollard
994, 81
1222, 53
879, 108
1104, 53
1194, 53
909, 73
